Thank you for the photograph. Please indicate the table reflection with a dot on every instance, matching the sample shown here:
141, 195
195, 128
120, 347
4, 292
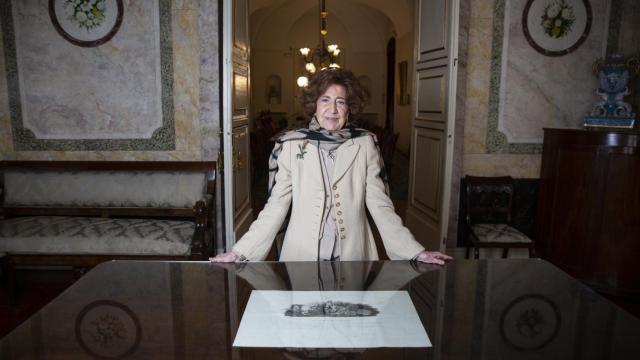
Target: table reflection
487, 309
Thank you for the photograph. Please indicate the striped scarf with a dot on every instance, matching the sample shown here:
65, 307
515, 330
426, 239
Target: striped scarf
317, 133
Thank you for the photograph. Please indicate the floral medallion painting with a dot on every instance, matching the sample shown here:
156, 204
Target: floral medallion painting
87, 23
556, 27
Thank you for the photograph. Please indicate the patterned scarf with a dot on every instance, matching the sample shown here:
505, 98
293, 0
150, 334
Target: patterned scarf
317, 133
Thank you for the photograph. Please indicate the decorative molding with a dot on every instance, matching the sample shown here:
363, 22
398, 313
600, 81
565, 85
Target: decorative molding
496, 140
163, 138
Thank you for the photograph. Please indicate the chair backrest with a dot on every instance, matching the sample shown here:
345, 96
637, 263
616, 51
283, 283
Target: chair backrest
488, 199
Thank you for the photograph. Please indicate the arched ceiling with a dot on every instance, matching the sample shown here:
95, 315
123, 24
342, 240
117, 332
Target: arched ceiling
349, 20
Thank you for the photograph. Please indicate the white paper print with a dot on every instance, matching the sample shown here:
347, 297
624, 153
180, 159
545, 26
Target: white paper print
330, 319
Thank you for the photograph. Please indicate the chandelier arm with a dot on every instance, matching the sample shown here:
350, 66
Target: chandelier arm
322, 56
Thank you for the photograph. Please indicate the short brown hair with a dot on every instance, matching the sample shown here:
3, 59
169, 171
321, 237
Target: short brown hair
321, 80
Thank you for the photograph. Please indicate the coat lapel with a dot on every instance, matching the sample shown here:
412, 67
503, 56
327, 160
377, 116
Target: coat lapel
311, 159
346, 155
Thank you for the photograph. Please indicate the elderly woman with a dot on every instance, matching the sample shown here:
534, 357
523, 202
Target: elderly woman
329, 174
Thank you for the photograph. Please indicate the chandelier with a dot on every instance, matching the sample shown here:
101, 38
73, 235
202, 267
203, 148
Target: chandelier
323, 56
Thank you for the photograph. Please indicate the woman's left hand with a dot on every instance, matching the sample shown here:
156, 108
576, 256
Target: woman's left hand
433, 257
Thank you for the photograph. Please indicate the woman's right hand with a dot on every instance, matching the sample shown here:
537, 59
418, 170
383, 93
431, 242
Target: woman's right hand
227, 257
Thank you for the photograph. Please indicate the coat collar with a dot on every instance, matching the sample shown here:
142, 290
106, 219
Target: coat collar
346, 155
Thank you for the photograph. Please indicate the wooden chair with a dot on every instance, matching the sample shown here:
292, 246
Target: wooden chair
489, 203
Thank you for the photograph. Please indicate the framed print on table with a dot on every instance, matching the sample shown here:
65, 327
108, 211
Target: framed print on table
556, 27
86, 23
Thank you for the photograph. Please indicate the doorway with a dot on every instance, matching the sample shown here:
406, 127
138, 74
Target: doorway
391, 81
277, 29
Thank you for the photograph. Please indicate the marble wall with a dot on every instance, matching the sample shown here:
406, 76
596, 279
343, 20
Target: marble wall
512, 145
193, 77
475, 159
76, 98
624, 39
540, 91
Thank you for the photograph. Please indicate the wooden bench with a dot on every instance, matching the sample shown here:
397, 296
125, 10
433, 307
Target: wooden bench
81, 213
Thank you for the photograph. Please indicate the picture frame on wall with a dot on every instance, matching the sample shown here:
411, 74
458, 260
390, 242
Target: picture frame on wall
556, 27
86, 23
366, 84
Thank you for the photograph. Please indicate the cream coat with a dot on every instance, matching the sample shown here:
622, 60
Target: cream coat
356, 185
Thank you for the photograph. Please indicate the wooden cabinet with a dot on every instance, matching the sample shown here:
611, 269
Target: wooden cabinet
589, 207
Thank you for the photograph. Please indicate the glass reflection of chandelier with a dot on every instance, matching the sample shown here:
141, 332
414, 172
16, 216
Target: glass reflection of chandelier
323, 56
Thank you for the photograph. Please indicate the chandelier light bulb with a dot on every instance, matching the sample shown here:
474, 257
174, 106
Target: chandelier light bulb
332, 48
302, 81
334, 66
336, 51
310, 67
304, 51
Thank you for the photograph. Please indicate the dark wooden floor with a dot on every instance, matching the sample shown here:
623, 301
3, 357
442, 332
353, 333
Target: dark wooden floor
37, 289
631, 306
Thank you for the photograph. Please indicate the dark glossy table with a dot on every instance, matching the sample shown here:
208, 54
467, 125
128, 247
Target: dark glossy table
475, 309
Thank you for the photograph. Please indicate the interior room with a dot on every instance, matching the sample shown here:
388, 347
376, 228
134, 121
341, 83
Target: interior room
139, 131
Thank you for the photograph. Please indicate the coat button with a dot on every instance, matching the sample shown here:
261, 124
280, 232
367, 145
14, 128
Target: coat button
339, 212
335, 187
341, 229
340, 221
337, 204
342, 237
337, 195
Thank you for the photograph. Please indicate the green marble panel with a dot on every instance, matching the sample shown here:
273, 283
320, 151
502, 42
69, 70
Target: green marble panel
497, 141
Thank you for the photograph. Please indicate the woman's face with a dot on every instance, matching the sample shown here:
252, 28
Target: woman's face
332, 109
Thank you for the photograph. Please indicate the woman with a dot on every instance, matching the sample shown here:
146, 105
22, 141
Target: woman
328, 174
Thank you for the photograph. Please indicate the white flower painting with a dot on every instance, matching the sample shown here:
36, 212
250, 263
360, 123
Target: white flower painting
87, 23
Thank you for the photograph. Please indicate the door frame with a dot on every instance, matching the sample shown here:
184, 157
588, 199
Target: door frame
390, 108
227, 120
453, 13
451, 121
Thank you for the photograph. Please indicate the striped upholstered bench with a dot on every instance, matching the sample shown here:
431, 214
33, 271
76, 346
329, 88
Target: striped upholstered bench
82, 213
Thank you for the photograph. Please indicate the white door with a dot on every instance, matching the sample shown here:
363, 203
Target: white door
236, 104
434, 79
